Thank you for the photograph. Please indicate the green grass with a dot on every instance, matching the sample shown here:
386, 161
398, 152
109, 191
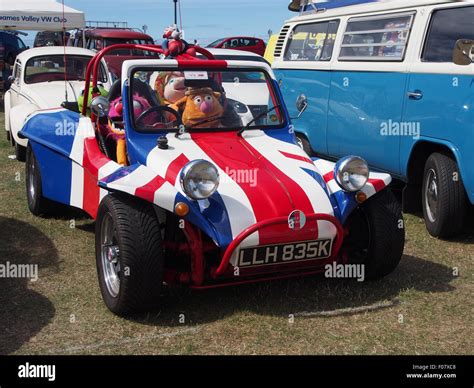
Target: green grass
63, 312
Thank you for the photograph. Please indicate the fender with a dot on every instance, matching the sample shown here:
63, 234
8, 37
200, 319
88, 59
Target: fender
457, 155
18, 115
343, 201
142, 182
7, 105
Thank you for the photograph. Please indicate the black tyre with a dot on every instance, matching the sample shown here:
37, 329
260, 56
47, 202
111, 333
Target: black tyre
129, 254
376, 235
38, 205
20, 152
444, 198
9, 137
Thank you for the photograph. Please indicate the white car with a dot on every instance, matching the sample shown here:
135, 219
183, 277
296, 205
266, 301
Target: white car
40, 81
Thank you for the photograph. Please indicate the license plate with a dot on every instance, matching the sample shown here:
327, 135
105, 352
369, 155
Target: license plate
284, 253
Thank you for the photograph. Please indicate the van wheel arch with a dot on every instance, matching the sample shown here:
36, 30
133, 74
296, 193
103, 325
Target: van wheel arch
304, 143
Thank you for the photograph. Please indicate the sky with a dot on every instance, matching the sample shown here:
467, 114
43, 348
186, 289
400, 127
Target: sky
204, 20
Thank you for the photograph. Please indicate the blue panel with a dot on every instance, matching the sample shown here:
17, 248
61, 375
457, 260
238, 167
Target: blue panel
213, 221
315, 85
56, 172
444, 115
364, 110
55, 130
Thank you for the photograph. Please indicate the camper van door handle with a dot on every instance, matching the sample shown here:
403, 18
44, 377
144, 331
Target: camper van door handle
416, 95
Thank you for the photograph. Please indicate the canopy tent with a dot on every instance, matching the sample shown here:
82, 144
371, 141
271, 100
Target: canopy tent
38, 15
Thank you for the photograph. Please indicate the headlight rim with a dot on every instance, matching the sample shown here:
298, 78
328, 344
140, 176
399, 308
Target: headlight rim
340, 167
184, 175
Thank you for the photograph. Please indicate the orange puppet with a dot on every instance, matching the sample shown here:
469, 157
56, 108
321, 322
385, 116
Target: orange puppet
200, 108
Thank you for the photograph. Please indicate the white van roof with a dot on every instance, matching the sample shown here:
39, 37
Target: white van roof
381, 6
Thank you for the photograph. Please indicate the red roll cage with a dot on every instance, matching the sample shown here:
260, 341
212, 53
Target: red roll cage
93, 66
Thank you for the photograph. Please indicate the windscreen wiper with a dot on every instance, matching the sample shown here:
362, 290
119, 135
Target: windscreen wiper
263, 114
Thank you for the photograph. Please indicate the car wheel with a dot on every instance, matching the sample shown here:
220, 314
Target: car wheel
20, 152
304, 143
443, 197
129, 254
38, 205
376, 235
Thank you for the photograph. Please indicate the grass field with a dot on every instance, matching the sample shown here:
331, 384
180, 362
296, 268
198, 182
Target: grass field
422, 308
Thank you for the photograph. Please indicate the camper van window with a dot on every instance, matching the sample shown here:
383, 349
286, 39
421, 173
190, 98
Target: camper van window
312, 42
447, 26
379, 38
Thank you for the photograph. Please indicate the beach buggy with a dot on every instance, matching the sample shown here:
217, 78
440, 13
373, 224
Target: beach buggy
194, 177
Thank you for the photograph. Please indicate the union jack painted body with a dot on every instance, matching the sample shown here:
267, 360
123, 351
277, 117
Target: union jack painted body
76, 172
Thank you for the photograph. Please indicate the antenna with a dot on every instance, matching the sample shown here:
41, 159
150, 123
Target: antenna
175, 12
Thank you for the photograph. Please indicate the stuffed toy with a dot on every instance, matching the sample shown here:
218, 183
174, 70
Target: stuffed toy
80, 100
170, 87
200, 108
174, 44
112, 131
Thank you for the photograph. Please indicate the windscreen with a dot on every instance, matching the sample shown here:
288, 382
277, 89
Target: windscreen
204, 100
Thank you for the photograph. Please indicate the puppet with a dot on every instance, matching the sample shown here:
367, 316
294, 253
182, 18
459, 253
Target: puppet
200, 108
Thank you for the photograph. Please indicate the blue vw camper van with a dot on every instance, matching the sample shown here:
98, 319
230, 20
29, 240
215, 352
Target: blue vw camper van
379, 81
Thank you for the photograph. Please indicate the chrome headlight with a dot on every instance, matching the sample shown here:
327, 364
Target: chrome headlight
199, 179
351, 173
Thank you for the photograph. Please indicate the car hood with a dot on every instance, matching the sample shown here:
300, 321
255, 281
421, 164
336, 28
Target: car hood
261, 178
51, 94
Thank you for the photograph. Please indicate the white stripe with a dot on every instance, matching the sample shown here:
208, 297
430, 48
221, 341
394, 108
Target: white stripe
292, 168
105, 171
129, 183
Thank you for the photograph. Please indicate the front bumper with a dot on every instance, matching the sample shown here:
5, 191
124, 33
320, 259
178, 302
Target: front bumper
226, 270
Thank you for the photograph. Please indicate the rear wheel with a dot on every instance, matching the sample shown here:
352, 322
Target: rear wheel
20, 152
444, 197
376, 235
129, 254
38, 205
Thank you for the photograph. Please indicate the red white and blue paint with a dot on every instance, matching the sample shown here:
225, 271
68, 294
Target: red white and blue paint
291, 185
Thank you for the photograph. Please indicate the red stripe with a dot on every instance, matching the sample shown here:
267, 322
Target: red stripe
297, 157
175, 167
328, 177
94, 160
274, 194
200, 64
378, 184
147, 192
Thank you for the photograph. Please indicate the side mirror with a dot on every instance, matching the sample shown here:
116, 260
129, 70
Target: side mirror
463, 53
100, 106
11, 79
301, 105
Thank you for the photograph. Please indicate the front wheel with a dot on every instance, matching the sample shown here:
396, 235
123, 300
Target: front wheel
443, 196
376, 235
129, 254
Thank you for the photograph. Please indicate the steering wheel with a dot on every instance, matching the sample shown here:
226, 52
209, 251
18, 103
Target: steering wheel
162, 110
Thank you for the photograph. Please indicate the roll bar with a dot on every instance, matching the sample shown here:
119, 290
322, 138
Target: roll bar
93, 66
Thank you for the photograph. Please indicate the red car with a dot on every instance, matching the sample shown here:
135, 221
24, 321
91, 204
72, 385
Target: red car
99, 38
254, 45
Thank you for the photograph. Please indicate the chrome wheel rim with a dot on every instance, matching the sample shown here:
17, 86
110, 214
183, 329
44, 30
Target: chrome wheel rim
31, 176
110, 256
431, 196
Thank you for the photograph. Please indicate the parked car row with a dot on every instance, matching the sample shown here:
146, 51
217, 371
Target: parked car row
380, 82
